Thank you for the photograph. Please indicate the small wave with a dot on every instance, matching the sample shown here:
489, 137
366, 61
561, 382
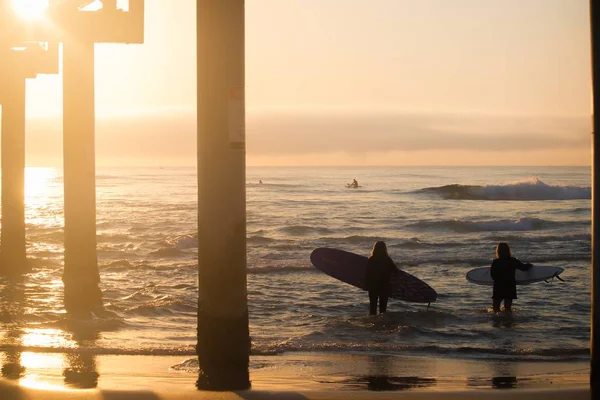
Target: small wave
117, 265
277, 348
273, 185
182, 242
301, 230
585, 237
529, 189
258, 240
187, 242
418, 244
521, 224
175, 246
190, 365
162, 306
92, 325
507, 354
280, 270
330, 241
166, 252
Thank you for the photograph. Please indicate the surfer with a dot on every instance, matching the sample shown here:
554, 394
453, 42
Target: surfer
503, 273
380, 268
353, 185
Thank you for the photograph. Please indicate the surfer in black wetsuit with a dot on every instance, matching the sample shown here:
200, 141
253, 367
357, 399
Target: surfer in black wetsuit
503, 273
380, 268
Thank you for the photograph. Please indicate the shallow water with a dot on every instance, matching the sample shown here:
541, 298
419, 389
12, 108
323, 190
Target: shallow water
438, 222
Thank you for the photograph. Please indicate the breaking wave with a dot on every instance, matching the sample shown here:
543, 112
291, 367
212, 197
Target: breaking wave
529, 189
519, 225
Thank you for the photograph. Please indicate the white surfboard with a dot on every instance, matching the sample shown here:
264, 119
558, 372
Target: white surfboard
537, 273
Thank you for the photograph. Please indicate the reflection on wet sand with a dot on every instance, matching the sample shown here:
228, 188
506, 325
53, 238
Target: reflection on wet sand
504, 382
81, 371
504, 376
497, 382
12, 306
384, 383
387, 383
380, 377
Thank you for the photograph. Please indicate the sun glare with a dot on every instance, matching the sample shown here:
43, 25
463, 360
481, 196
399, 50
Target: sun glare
30, 9
37, 180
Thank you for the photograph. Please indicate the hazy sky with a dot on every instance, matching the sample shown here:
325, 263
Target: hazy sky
352, 82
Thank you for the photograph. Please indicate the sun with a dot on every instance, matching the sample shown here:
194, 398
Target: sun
30, 9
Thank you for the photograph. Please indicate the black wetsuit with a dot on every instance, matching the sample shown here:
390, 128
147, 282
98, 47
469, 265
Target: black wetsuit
503, 274
379, 273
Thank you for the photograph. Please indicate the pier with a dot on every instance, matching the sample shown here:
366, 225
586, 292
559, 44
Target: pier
78, 29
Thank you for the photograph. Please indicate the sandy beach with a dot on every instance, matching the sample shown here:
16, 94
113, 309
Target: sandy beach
300, 373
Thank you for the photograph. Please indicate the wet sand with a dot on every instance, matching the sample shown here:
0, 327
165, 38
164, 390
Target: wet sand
321, 375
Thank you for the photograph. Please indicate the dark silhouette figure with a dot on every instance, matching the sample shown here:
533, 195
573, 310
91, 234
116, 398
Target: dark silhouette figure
503, 273
353, 185
380, 268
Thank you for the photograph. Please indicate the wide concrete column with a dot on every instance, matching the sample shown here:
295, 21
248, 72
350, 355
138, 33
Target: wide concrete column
12, 247
81, 277
595, 273
223, 337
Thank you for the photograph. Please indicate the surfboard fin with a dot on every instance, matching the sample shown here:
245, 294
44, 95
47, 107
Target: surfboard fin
555, 276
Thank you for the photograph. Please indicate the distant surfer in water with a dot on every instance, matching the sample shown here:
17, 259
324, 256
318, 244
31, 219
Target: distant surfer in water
503, 273
380, 268
354, 184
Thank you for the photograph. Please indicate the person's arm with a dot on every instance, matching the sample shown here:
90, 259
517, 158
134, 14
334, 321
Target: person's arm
522, 266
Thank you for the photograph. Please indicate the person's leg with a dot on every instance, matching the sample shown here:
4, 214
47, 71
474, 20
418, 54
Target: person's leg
383, 300
508, 305
496, 304
372, 302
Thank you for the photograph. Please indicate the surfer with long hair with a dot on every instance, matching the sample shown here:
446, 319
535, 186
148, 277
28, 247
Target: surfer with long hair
503, 273
380, 268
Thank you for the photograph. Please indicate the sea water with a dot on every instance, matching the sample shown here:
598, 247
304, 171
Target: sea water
438, 222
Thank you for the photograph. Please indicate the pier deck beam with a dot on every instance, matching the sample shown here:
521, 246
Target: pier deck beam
223, 337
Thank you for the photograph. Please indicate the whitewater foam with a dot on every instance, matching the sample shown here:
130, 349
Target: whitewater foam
526, 189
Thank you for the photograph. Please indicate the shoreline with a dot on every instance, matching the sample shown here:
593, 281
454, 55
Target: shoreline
312, 372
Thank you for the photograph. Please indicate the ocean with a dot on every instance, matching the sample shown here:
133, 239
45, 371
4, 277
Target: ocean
438, 222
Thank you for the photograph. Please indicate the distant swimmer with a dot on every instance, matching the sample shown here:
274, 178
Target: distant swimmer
259, 181
354, 184
503, 273
380, 268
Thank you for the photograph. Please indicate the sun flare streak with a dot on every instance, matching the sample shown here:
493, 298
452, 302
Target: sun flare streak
30, 9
